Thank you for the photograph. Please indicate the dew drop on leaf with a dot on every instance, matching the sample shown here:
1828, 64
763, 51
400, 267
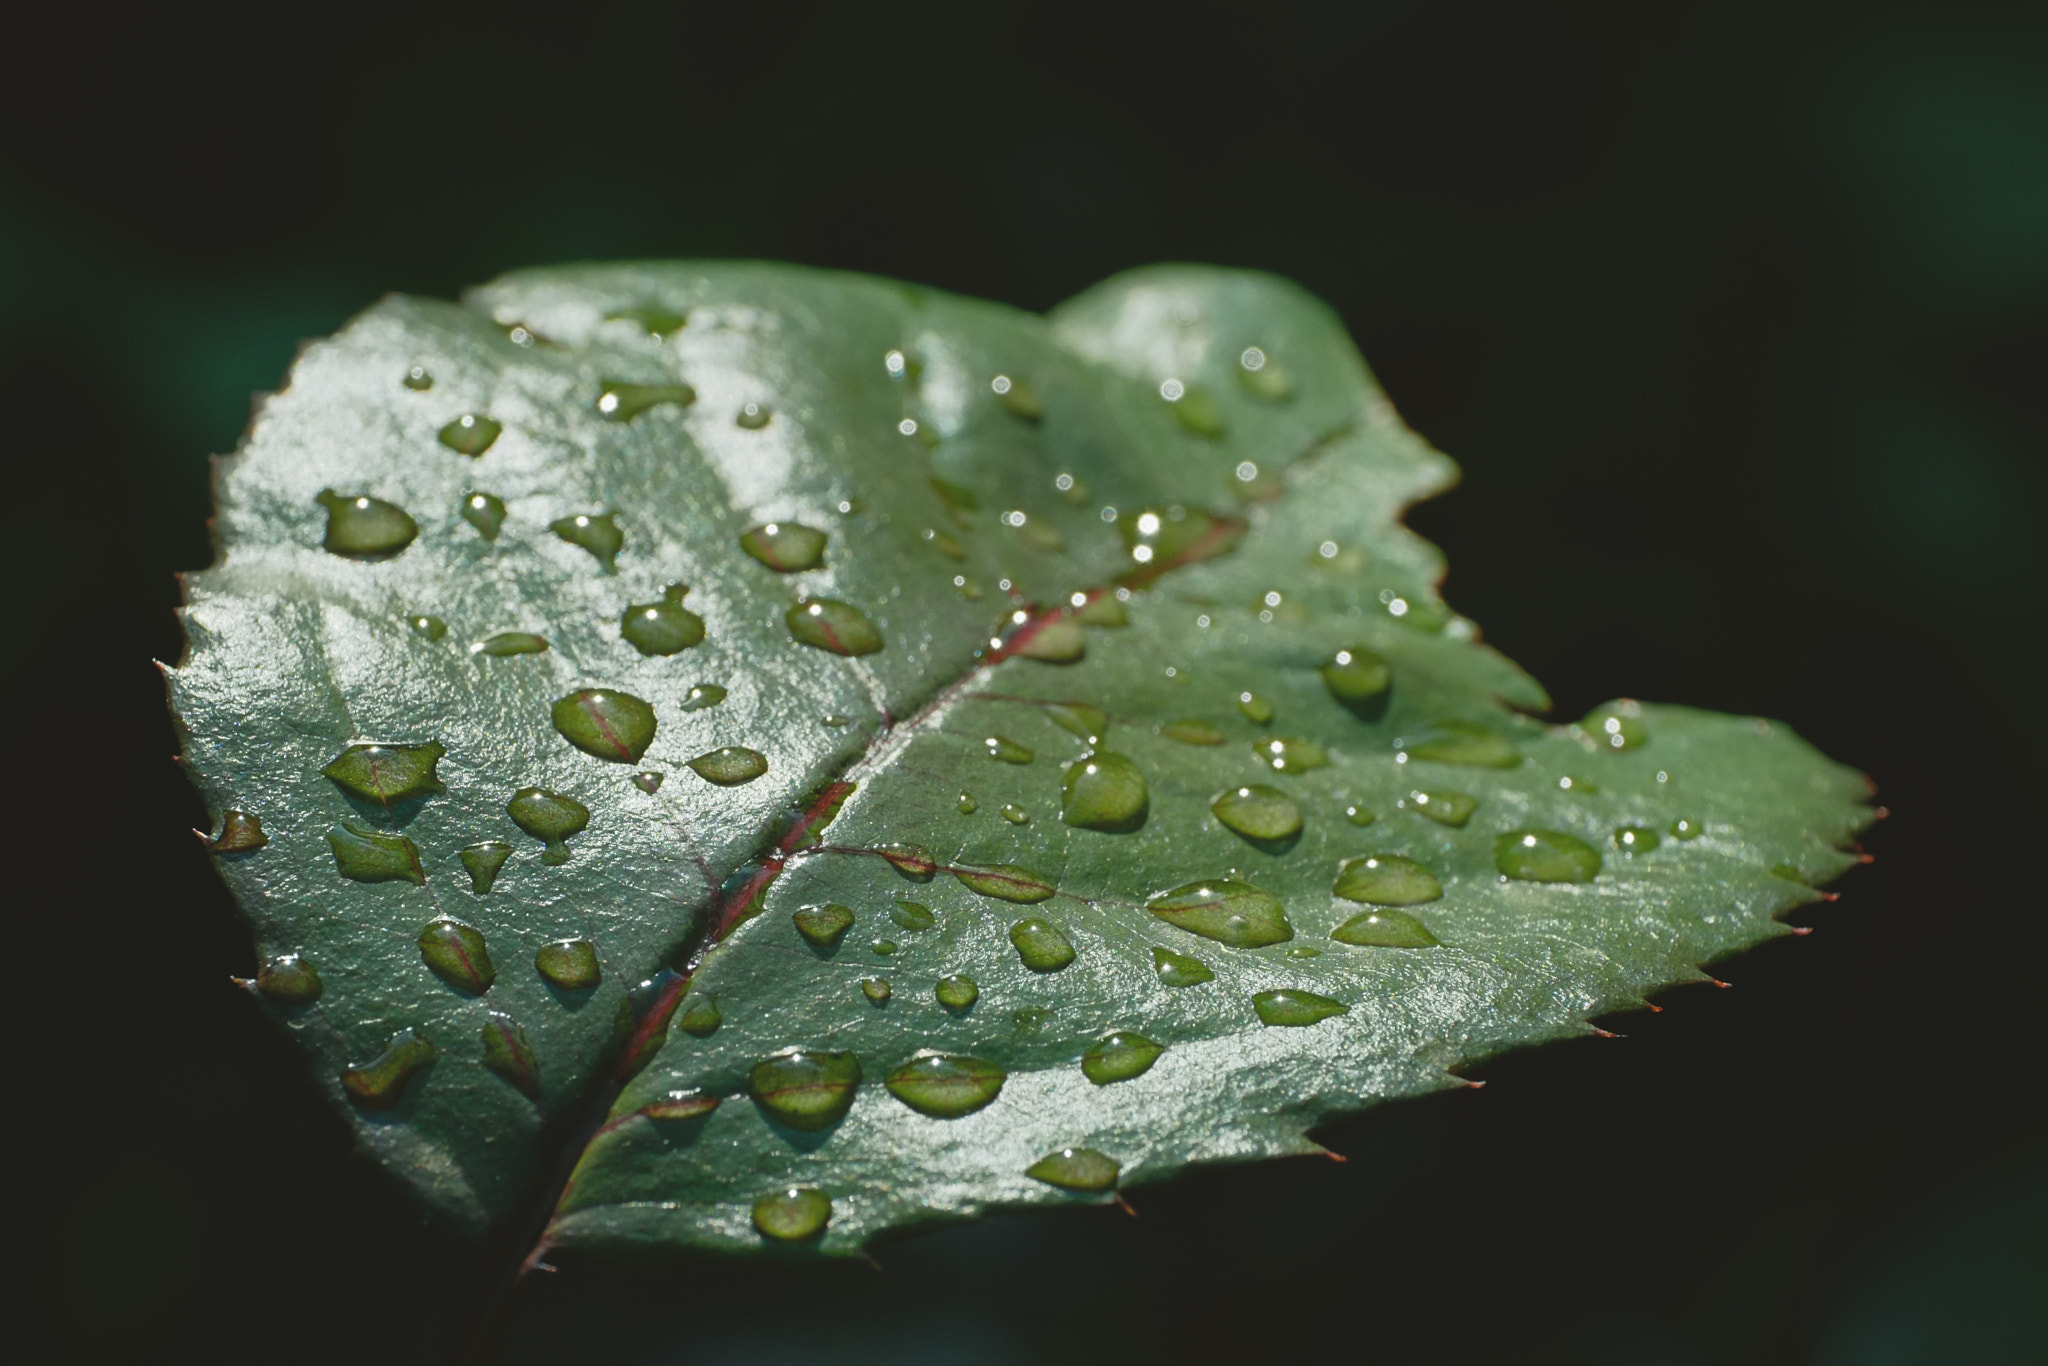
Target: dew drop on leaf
240, 831
1686, 828
1079, 718
838, 627
1018, 398
795, 1215
368, 856
1260, 813
649, 781
1616, 726
1106, 609
825, 925
1104, 791
482, 861
1057, 640
1358, 815
509, 1053
968, 806
876, 989
1445, 808
388, 773
380, 1082
805, 1089
913, 861
957, 992
1295, 1007
1358, 679
1386, 880
289, 980
680, 1105
1076, 1169
433, 628
570, 964
1459, 742
1259, 375
1256, 708
1291, 754
1119, 1057
1545, 856
1192, 732
363, 527
597, 533
703, 696
913, 916
1007, 751
471, 434
1635, 839
618, 401
945, 543
945, 1085
457, 954
1384, 929
785, 547
1006, 882
606, 723
1015, 815
506, 644
1194, 407
485, 512
1040, 945
753, 416
1225, 910
662, 628
882, 948
700, 1018
730, 766
549, 817
1179, 969
417, 379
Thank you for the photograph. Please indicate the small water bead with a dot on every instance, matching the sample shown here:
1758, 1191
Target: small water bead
363, 527
957, 992
368, 856
570, 964
883, 948
506, 644
482, 861
730, 766
1295, 1008
823, 926
1104, 791
1225, 910
471, 434
1076, 1169
680, 1105
912, 915
785, 547
1445, 808
958, 499
1386, 880
1016, 815
662, 628
838, 627
289, 980
1358, 680
549, 817
1459, 742
597, 533
509, 1053
1007, 751
433, 628
1686, 828
485, 512
1261, 377
914, 861
946, 1085
1194, 407
456, 952
417, 379
703, 696
606, 723
944, 543
1162, 537
1384, 929
240, 831
649, 781
753, 416
700, 1018
1106, 610
1018, 398
1079, 718
1255, 708
1616, 726
1545, 856
1291, 754
1040, 945
1359, 815
795, 1215
380, 1083
967, 588
388, 773
1120, 1057
1262, 814
641, 1024
1578, 787
653, 319
1058, 640
1178, 969
806, 1089
968, 806
618, 401
1006, 882
1635, 839
876, 989
1191, 731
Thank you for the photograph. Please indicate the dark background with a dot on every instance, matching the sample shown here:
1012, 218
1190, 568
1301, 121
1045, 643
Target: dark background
1736, 316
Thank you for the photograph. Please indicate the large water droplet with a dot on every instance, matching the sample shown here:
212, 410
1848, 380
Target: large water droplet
381, 1082
506, 644
662, 628
1194, 407
1191, 731
823, 926
825, 624
240, 831
485, 512
1079, 718
607, 723
945, 1085
482, 860
1006, 882
1445, 808
367, 856
701, 1017
1160, 538
1291, 754
289, 980
1040, 945
785, 547
1545, 856
471, 434
456, 952
549, 817
1006, 750
1178, 969
914, 861
1459, 742
1294, 1007
912, 916
363, 527
618, 401
1616, 726
1635, 839
702, 696
957, 992
1119, 1057
1256, 708
730, 766
968, 806
1075, 1169
1015, 815
509, 1053
753, 416
1018, 398
877, 989
433, 628
597, 533
1104, 791
1225, 910
1054, 640
1384, 929
804, 1088
1105, 609
570, 964
1358, 679
793, 1215
388, 773
1686, 828
1264, 815
1386, 880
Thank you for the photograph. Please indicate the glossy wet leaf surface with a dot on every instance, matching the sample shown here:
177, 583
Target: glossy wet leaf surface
598, 937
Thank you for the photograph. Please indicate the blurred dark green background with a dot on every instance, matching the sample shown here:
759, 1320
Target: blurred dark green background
1736, 315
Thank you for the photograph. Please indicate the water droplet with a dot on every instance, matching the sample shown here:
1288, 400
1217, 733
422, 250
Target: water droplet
1459, 742
1054, 640
1259, 375
1264, 815
366, 856
700, 1018
785, 547
662, 628
1078, 718
1635, 839
1358, 679
753, 416
1192, 732
570, 964
654, 320
825, 624
945, 1085
505, 644
967, 588
703, 696
1119, 1057
1225, 910
289, 980
680, 1105
883, 948
1445, 808
606, 723
1104, 610
642, 1021
912, 915
1686, 828
945, 544
240, 831
618, 401
509, 1053
433, 628
597, 533
485, 512
417, 379
1293, 1007
794, 1216
1015, 815
1076, 1169
471, 434
456, 952
483, 860
1194, 407
1007, 751
958, 499
1040, 944
876, 989
1104, 791
730, 766
1161, 538
1578, 787
913, 861
1545, 856
649, 782
968, 806
1178, 969
1616, 726
1386, 880
1255, 708
381, 1082
957, 992
388, 773
1358, 815
823, 926
1018, 398
550, 818
1291, 753
1006, 882
806, 1089
364, 527
1384, 929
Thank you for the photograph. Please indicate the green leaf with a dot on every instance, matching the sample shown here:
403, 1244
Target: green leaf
1065, 770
